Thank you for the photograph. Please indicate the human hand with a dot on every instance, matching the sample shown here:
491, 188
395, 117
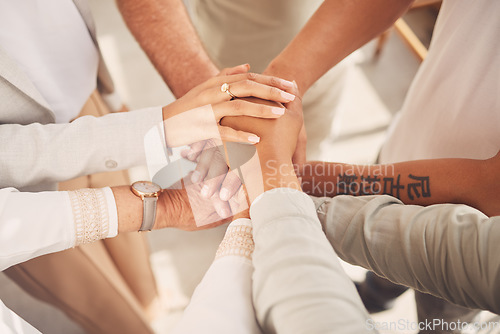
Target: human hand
218, 182
273, 164
196, 115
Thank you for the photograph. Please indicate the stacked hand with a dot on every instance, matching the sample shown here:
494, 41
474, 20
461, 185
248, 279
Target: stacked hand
194, 120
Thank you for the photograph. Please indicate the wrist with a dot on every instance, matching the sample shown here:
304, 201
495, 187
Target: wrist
129, 209
287, 72
279, 173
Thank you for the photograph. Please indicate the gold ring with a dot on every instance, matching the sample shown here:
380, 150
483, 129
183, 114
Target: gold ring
225, 88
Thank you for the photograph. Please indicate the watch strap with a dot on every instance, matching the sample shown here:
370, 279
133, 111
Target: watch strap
148, 213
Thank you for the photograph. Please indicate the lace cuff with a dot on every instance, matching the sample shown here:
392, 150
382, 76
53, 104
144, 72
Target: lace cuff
238, 240
90, 213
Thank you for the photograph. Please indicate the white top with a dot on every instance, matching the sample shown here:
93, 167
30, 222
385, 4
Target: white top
453, 106
51, 43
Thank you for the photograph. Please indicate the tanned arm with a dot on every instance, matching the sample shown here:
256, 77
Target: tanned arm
338, 28
165, 32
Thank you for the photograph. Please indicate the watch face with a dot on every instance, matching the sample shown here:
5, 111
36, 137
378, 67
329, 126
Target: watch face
146, 187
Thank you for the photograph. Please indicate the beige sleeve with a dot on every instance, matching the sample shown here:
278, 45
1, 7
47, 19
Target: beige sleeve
450, 251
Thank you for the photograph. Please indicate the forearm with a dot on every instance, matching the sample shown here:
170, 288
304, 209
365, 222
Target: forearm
165, 32
422, 182
338, 28
445, 250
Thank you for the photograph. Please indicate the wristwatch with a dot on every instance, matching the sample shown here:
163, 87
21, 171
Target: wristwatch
148, 192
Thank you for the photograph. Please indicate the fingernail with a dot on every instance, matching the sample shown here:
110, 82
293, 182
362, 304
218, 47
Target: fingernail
287, 84
295, 84
253, 139
224, 194
204, 191
288, 96
191, 155
278, 110
196, 176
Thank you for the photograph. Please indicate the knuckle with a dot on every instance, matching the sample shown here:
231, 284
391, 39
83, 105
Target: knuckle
248, 83
251, 76
274, 91
262, 109
274, 81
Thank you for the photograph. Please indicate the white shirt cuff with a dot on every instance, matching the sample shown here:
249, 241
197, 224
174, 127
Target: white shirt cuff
112, 212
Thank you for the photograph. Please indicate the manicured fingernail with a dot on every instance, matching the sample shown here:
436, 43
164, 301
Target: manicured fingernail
278, 110
196, 176
288, 96
253, 139
224, 194
295, 84
287, 84
191, 155
204, 191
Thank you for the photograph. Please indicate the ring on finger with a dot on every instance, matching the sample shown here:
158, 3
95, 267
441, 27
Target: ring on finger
225, 88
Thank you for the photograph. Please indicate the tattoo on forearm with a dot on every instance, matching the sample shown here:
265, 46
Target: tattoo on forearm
374, 185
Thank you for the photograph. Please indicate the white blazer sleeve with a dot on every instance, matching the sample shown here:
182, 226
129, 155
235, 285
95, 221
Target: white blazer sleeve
37, 153
34, 224
299, 285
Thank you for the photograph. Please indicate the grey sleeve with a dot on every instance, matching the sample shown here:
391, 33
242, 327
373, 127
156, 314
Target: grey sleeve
448, 250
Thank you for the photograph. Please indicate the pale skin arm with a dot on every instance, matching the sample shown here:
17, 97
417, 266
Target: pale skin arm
166, 34
419, 182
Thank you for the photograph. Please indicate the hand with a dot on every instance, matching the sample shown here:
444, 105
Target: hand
196, 115
212, 172
278, 143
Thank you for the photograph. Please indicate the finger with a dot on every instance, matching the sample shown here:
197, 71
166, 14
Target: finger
211, 186
203, 165
221, 207
194, 150
229, 134
238, 203
249, 88
246, 108
244, 68
273, 81
229, 186
216, 174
